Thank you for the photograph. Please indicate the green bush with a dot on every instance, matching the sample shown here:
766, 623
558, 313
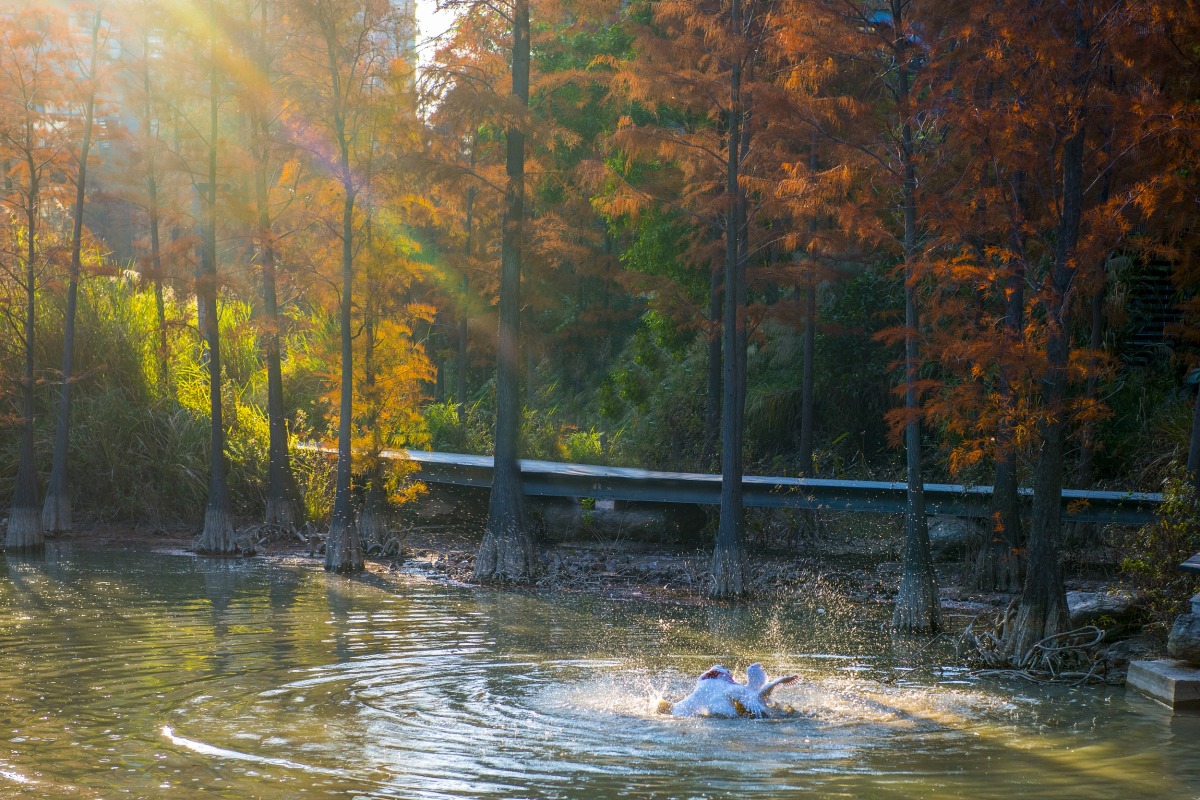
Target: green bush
140, 440
316, 478
654, 399
1149, 428
583, 447
449, 434
143, 462
1156, 550
540, 433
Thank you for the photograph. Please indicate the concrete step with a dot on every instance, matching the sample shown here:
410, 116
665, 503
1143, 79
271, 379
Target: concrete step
1176, 683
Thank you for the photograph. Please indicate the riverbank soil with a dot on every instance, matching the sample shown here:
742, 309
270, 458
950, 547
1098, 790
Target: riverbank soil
838, 558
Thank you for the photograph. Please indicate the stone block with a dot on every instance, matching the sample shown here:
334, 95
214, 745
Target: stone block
1175, 683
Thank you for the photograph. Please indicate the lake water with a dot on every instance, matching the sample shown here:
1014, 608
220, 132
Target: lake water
142, 674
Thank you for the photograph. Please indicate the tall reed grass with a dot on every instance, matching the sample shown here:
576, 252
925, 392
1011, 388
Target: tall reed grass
139, 445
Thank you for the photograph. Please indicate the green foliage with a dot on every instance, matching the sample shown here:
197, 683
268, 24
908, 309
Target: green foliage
1149, 428
139, 445
654, 245
449, 434
853, 387
539, 434
655, 398
133, 461
583, 447
248, 454
545, 435
1156, 550
315, 474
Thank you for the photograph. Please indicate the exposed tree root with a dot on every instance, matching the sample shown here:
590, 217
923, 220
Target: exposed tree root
1069, 657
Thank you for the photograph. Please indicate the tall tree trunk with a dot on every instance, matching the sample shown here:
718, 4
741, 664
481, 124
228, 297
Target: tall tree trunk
372, 525
460, 391
998, 566
728, 562
217, 538
283, 503
808, 381
372, 522
160, 305
56, 513
918, 609
153, 212
343, 548
24, 520
1087, 438
1042, 609
507, 552
712, 397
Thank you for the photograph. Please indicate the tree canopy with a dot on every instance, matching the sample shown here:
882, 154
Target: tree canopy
917, 239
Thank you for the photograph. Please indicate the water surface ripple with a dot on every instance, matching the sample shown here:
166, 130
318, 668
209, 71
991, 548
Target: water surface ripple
154, 674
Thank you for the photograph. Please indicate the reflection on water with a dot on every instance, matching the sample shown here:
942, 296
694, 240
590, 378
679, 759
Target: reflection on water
153, 674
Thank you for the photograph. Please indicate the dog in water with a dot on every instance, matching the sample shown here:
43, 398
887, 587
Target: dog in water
717, 694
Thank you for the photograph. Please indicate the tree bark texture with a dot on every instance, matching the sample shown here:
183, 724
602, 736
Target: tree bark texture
153, 213
1042, 609
460, 390
999, 564
507, 552
712, 398
56, 513
372, 520
343, 548
808, 381
284, 506
218, 536
728, 563
24, 520
918, 609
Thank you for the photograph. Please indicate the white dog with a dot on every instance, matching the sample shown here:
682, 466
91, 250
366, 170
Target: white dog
717, 694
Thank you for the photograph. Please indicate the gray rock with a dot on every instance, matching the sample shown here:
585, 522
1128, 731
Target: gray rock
951, 538
1184, 641
1117, 655
1101, 608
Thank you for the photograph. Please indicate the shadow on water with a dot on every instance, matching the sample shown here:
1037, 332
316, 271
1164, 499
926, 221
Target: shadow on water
148, 673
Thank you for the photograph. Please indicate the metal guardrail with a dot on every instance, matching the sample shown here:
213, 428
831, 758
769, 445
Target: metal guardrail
552, 479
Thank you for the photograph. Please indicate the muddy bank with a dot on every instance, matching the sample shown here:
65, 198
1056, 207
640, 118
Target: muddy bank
839, 562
